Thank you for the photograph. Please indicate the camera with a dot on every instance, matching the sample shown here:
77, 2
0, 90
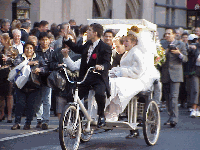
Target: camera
171, 47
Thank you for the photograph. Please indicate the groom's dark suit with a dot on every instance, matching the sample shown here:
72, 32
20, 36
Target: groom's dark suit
101, 55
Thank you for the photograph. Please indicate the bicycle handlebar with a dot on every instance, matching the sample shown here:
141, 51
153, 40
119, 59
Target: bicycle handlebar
80, 82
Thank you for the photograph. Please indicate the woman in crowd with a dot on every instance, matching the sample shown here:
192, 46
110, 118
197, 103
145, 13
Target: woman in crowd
29, 93
33, 39
6, 56
16, 24
16, 42
5, 41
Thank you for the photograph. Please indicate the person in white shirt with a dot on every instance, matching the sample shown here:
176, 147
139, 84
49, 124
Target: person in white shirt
17, 43
69, 62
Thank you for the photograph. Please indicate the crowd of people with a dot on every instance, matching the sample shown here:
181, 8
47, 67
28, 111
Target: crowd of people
133, 60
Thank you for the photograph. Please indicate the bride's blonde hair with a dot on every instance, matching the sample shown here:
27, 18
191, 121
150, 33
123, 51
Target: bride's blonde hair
132, 37
132, 33
134, 29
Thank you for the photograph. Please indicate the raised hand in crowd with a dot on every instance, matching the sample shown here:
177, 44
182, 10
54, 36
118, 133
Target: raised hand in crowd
36, 71
4, 57
65, 52
67, 32
33, 63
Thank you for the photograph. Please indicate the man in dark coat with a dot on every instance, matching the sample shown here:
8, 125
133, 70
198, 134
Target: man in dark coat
94, 53
172, 73
25, 30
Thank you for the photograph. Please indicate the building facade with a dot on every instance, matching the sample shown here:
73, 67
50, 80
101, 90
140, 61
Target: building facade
164, 13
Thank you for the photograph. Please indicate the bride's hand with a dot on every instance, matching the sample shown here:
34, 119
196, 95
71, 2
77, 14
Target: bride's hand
112, 74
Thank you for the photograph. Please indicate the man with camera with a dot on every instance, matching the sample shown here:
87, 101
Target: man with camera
172, 73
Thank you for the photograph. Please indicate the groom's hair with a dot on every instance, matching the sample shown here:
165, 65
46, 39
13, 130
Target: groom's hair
97, 28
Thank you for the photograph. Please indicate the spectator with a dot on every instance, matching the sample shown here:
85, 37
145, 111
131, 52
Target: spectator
43, 27
16, 42
52, 40
197, 31
29, 94
5, 26
53, 26
26, 20
83, 32
178, 34
25, 30
45, 52
55, 30
5, 64
63, 28
5, 41
33, 31
108, 37
172, 73
16, 24
181, 30
184, 94
192, 38
195, 79
36, 25
33, 39
118, 52
72, 22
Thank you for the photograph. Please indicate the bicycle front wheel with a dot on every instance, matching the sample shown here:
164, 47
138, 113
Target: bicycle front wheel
85, 136
69, 128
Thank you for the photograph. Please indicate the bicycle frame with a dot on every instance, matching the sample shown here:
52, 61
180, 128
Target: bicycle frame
77, 100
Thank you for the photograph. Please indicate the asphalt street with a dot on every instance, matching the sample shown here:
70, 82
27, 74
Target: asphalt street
185, 136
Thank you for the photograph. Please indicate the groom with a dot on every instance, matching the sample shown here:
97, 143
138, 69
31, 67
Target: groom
94, 53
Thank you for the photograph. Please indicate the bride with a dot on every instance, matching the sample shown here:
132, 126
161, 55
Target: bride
136, 72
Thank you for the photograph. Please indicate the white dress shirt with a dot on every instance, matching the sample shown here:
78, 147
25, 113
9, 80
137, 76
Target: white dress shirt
91, 49
19, 47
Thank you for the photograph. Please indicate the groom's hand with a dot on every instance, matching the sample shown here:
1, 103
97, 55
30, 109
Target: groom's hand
99, 67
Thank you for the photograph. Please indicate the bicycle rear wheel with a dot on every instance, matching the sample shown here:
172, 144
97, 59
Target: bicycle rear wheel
69, 128
151, 123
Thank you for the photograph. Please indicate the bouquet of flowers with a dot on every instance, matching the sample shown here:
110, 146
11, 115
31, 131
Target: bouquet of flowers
160, 58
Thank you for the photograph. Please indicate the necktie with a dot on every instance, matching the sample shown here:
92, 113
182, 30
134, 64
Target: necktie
90, 50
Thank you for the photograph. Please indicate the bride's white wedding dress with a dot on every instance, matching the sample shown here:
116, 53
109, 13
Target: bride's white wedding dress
136, 73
